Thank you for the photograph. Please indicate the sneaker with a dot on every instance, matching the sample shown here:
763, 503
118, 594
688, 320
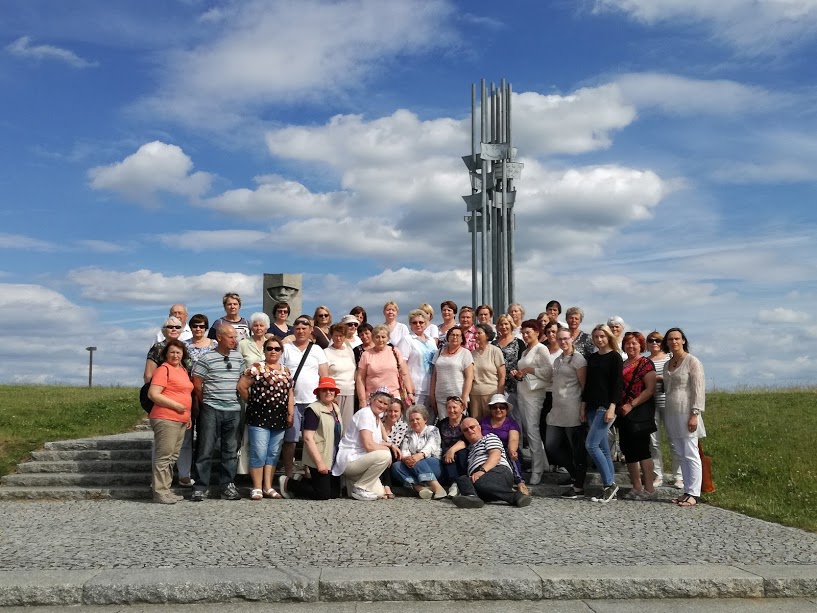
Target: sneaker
468, 502
425, 493
572, 494
454, 490
229, 492
678, 484
166, 499
187, 482
535, 479
282, 486
198, 496
608, 495
178, 497
522, 501
659, 481
358, 493
561, 470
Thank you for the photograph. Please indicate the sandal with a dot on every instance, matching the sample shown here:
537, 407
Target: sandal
271, 493
388, 495
688, 501
523, 489
256, 495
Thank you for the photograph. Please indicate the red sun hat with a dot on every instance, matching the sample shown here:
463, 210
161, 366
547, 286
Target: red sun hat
326, 383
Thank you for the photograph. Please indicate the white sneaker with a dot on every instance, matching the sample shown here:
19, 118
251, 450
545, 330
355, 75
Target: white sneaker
658, 482
425, 494
454, 490
358, 493
535, 479
678, 484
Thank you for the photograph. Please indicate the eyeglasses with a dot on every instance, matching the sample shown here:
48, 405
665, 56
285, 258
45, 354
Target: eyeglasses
323, 314
173, 327
469, 428
417, 323
197, 326
653, 340
273, 348
228, 363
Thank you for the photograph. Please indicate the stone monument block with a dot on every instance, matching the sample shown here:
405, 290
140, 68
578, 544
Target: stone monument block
283, 287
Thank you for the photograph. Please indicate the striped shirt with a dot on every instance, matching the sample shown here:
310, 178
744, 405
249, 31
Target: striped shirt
220, 375
478, 453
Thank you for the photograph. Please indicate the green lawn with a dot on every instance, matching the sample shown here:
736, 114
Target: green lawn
760, 441
32, 415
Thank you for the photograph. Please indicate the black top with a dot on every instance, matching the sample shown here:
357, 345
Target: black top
605, 382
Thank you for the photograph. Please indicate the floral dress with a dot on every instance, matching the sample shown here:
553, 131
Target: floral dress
268, 399
511, 352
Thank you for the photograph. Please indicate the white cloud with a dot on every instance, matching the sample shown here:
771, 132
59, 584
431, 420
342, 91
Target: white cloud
751, 26
680, 95
23, 48
98, 246
155, 167
780, 315
204, 240
19, 241
147, 287
266, 52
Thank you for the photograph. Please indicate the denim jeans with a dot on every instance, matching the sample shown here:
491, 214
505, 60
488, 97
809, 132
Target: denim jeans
265, 446
598, 446
213, 425
450, 472
427, 469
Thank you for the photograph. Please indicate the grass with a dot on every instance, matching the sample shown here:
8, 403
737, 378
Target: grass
761, 442
32, 415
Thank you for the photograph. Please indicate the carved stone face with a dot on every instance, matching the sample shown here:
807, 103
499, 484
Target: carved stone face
282, 293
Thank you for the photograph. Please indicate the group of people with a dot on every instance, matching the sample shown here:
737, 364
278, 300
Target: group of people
443, 410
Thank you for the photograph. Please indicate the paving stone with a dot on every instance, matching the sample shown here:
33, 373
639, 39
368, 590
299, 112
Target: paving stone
786, 581
19, 588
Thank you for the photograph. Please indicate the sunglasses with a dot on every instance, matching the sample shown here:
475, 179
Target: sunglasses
323, 314
417, 323
197, 326
499, 408
469, 428
273, 348
228, 363
173, 327
653, 340
302, 322
457, 398
353, 325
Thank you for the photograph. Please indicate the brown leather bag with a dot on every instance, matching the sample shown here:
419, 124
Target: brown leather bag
707, 485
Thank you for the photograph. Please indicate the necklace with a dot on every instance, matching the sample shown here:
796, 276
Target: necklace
676, 360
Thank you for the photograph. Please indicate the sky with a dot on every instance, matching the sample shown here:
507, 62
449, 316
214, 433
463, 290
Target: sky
169, 151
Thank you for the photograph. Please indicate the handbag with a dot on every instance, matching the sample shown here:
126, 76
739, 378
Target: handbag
642, 418
401, 388
707, 483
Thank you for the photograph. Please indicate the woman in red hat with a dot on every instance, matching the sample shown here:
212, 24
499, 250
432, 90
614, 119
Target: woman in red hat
323, 429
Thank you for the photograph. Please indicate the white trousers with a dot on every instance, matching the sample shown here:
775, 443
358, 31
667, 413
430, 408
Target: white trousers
691, 469
659, 469
530, 410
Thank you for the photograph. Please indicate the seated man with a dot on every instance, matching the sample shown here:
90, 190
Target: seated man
489, 475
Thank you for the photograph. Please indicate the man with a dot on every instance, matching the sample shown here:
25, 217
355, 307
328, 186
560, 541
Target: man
215, 376
315, 366
489, 473
179, 311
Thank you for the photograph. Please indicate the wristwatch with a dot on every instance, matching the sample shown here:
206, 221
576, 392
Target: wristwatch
696, 411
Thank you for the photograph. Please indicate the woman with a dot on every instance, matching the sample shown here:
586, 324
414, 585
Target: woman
448, 311
553, 309
252, 347
508, 430
383, 366
517, 314
634, 437
280, 327
453, 445
533, 374
485, 315
322, 434
364, 332
342, 368
320, 332
171, 393
489, 372
549, 330
360, 313
419, 464
395, 429
582, 341
363, 453
512, 349
420, 358
232, 304
197, 346
616, 325
453, 372
432, 331
172, 329
398, 332
565, 436
350, 325
267, 390
469, 332
684, 386
602, 391
655, 341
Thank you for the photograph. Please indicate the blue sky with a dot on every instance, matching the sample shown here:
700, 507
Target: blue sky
167, 151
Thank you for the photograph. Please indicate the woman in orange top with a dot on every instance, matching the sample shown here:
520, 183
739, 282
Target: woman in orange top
170, 390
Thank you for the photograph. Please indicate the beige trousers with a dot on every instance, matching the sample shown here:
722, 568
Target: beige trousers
365, 472
167, 442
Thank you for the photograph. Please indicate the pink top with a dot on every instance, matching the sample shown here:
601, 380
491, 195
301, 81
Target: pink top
381, 369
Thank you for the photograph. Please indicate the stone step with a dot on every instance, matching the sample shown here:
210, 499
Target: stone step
116, 492
87, 466
102, 480
144, 441
91, 455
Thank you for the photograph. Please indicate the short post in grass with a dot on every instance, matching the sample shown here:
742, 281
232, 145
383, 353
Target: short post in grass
90, 351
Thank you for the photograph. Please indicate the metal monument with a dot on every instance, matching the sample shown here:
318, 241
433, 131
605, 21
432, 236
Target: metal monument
491, 220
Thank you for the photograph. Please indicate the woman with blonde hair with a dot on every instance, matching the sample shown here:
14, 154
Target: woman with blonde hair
323, 321
432, 331
398, 332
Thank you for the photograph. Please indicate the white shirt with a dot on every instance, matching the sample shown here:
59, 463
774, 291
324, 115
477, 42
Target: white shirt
351, 448
309, 377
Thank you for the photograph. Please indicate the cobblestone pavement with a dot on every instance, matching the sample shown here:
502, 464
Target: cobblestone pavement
406, 531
